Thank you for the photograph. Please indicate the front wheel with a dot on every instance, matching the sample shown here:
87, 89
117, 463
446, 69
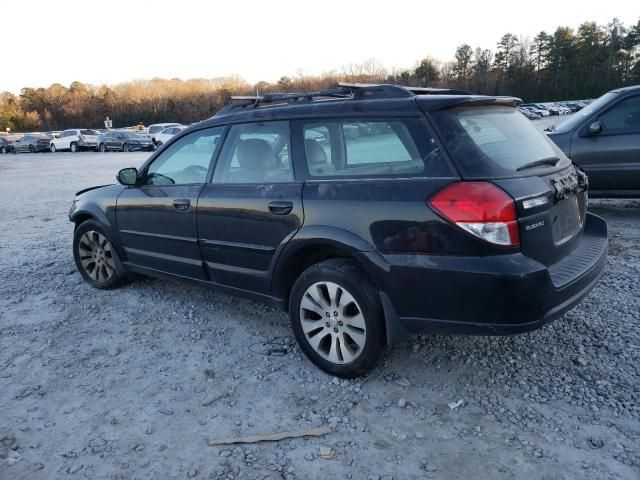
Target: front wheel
95, 258
337, 318
125, 148
32, 149
103, 147
3, 149
52, 147
74, 147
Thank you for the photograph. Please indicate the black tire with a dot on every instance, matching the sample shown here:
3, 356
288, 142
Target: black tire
32, 149
53, 149
125, 147
74, 147
351, 278
3, 150
103, 147
119, 276
158, 144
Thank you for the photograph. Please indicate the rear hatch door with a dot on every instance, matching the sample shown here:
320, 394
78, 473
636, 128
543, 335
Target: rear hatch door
496, 143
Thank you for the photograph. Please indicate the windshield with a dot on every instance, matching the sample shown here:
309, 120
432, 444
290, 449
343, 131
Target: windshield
494, 141
580, 116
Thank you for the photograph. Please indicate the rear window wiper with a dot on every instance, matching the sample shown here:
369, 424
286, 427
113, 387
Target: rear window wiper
553, 161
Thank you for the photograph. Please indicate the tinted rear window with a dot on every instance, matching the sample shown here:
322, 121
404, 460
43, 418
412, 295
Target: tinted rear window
494, 141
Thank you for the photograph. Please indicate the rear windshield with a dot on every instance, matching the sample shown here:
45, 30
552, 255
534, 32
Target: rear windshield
88, 132
494, 141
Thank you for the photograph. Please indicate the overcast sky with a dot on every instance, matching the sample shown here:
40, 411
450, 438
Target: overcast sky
106, 42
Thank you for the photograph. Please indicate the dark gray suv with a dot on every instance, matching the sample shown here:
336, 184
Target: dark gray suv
604, 139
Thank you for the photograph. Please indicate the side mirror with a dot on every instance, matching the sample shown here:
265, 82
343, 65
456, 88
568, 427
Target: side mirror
128, 176
594, 129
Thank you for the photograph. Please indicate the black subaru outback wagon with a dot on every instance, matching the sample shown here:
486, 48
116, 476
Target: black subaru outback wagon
368, 212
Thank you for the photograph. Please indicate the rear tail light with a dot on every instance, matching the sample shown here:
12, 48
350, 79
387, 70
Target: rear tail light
480, 208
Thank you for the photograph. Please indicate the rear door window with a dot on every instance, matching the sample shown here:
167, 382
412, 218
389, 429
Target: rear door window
494, 141
366, 147
255, 153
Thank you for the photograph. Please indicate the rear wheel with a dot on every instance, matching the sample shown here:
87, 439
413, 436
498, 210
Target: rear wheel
32, 149
74, 147
125, 148
103, 147
52, 147
337, 318
3, 149
95, 258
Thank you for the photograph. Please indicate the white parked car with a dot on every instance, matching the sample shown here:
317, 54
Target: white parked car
156, 128
75, 139
167, 133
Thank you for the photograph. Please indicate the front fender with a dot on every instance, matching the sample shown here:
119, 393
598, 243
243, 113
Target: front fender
91, 212
99, 205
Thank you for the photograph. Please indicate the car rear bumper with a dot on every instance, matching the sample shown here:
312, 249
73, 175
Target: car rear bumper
494, 295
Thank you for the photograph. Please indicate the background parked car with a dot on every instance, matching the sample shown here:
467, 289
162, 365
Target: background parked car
6, 144
125, 141
604, 139
536, 109
530, 113
74, 140
32, 143
167, 133
156, 128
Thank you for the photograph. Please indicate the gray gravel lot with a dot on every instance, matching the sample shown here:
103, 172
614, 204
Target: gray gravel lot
131, 383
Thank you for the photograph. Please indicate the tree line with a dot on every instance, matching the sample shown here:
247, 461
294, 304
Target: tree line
564, 64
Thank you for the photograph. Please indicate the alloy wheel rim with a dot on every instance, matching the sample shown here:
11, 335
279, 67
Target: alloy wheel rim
96, 256
332, 322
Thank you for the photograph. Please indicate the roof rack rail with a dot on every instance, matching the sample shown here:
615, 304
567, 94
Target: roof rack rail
243, 101
392, 90
344, 90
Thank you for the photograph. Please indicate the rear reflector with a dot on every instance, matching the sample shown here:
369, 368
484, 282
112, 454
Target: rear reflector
480, 208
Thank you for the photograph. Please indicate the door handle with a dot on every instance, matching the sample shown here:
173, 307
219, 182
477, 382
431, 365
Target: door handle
181, 204
279, 207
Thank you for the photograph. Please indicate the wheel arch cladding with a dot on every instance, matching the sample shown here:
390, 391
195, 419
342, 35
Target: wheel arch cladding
314, 245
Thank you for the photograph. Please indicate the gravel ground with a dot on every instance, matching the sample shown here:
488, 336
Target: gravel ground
131, 383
